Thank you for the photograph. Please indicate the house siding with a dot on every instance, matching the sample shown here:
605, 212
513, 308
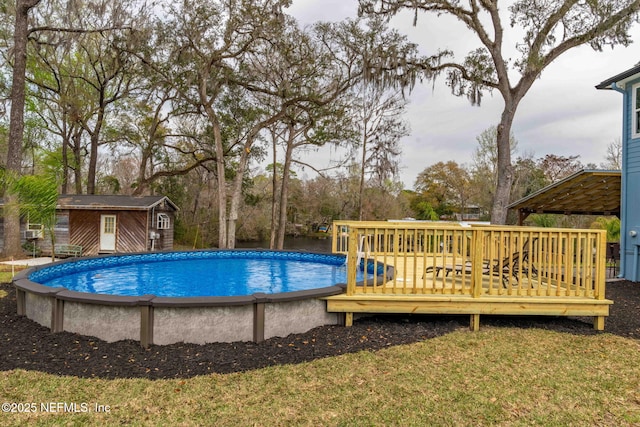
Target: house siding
633, 156
630, 200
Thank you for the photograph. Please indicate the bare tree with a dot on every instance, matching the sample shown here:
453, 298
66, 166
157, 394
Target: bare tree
198, 51
322, 70
303, 83
378, 119
613, 155
484, 171
550, 29
557, 167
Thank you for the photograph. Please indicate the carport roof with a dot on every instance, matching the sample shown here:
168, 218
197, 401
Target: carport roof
588, 192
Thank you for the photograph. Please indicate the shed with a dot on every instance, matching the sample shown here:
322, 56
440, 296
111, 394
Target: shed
628, 84
112, 223
106, 224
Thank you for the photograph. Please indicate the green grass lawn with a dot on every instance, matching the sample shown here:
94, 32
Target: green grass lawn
498, 376
6, 274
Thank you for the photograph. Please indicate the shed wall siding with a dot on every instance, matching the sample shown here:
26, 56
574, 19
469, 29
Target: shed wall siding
84, 229
165, 242
61, 232
131, 231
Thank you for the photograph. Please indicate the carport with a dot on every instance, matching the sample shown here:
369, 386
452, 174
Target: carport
588, 192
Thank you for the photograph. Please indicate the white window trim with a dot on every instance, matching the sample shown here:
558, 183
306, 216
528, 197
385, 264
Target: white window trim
635, 132
163, 221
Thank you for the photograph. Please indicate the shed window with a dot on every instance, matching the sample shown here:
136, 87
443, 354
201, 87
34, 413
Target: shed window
635, 121
163, 221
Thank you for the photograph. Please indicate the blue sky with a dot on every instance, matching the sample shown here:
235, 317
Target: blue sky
562, 114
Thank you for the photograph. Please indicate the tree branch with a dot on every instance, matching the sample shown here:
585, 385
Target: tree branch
47, 28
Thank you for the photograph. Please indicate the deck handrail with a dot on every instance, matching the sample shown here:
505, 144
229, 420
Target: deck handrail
473, 260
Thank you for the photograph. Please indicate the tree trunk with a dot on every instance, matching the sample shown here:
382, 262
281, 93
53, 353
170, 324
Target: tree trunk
77, 159
505, 169
362, 171
64, 187
93, 149
274, 198
284, 190
91, 170
236, 194
220, 179
16, 127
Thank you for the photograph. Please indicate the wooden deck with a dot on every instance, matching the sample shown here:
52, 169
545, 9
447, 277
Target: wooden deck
424, 281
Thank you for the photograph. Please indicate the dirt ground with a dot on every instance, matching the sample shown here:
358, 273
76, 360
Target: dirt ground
27, 345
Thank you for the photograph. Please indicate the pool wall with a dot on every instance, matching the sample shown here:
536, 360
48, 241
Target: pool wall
167, 320
163, 320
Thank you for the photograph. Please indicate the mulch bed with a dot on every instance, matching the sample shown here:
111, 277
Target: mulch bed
27, 345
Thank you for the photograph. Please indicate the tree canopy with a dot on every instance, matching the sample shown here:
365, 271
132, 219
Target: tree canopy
189, 98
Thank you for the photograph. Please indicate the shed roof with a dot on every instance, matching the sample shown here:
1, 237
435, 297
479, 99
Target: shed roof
588, 192
112, 202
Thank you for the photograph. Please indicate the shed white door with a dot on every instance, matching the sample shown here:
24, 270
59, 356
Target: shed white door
107, 233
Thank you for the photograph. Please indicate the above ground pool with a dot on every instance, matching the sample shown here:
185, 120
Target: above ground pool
189, 296
198, 273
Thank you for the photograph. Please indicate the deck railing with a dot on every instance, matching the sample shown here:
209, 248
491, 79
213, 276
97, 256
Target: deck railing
448, 258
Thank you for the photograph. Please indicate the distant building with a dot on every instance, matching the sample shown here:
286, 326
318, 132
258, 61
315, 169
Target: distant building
469, 213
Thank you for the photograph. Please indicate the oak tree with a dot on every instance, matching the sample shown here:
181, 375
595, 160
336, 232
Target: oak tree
546, 29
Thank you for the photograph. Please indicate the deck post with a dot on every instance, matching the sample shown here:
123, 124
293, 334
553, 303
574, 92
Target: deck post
335, 232
598, 323
352, 260
474, 324
601, 265
348, 319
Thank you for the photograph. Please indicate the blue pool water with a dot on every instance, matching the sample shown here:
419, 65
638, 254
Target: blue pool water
197, 273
